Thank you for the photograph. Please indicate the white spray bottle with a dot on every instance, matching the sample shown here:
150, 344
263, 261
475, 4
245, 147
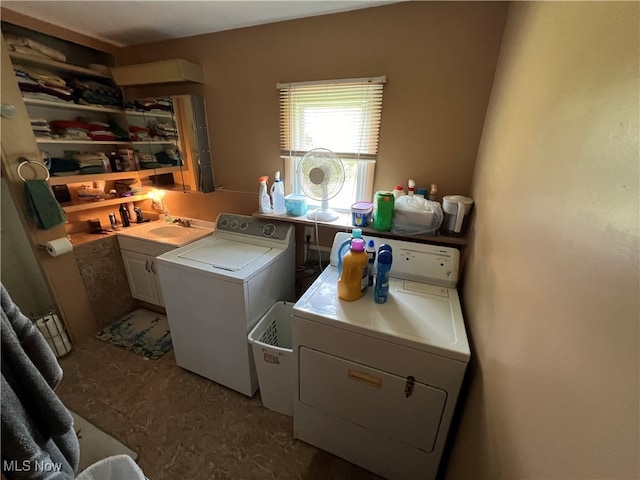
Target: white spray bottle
264, 201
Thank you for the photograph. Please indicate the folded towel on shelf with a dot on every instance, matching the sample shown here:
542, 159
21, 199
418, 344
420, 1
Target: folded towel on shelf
42, 206
62, 165
38, 438
29, 46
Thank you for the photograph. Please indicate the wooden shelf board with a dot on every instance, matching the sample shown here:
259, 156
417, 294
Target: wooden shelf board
36, 102
68, 179
81, 142
22, 58
102, 203
344, 223
157, 171
155, 142
138, 113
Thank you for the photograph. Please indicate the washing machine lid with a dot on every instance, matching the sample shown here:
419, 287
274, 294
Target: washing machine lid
225, 254
418, 315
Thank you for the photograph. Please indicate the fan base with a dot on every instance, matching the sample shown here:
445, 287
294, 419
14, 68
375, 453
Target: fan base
322, 215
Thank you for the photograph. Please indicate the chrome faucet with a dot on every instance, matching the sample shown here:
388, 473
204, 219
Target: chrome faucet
180, 221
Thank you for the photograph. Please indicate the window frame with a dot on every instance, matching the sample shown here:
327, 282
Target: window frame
370, 119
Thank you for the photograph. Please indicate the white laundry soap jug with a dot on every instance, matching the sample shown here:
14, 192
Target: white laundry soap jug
264, 201
277, 195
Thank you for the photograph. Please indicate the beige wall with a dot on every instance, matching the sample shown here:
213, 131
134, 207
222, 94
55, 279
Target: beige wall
439, 58
551, 289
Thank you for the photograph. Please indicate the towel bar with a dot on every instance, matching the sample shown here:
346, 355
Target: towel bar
25, 161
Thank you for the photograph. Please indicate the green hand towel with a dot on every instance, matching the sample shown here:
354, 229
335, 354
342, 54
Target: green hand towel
42, 205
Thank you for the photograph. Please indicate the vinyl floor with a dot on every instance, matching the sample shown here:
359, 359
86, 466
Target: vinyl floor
184, 426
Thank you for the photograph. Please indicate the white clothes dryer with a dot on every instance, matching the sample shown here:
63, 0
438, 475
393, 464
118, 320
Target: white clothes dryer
377, 384
217, 288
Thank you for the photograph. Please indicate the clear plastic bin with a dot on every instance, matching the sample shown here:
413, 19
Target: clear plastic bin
271, 344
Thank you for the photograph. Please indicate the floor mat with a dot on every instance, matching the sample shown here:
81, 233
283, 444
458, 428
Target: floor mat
96, 444
143, 332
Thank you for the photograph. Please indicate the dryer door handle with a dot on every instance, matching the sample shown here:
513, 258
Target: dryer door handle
364, 377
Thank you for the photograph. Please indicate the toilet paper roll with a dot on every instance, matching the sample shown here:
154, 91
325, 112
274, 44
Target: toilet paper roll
58, 246
53, 331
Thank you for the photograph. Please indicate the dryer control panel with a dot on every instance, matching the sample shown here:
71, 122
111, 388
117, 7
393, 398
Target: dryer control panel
419, 262
252, 226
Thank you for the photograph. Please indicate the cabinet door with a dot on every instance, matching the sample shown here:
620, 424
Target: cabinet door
142, 281
154, 271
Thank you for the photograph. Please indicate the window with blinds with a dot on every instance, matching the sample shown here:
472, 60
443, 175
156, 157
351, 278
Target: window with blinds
340, 115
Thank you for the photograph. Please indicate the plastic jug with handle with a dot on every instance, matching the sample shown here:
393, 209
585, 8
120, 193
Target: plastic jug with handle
352, 283
456, 208
277, 195
346, 245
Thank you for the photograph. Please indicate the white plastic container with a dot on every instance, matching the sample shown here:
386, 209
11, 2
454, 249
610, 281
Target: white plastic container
273, 355
296, 205
277, 195
264, 201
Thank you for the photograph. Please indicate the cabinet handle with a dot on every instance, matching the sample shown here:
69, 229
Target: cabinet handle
153, 267
146, 265
364, 377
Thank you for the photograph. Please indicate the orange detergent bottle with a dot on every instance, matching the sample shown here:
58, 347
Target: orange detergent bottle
353, 280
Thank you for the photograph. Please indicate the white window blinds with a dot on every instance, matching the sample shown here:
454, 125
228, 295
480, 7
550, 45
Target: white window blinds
341, 115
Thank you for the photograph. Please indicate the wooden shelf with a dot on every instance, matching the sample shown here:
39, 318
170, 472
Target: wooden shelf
139, 113
68, 179
155, 142
36, 102
344, 224
81, 142
147, 172
23, 59
77, 207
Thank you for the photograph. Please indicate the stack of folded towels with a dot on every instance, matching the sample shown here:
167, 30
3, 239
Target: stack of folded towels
92, 162
162, 131
151, 105
43, 85
29, 46
91, 92
40, 127
139, 134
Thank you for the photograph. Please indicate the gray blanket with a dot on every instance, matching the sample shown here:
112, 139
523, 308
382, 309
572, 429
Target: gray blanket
38, 439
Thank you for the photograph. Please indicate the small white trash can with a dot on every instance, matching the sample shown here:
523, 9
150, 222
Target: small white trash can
271, 344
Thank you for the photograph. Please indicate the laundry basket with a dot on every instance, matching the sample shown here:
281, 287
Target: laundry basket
271, 344
117, 467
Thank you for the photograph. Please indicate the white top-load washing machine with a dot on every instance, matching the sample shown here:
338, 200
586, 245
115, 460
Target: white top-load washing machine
217, 288
377, 384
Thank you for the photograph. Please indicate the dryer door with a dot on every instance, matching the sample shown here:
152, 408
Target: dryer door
371, 398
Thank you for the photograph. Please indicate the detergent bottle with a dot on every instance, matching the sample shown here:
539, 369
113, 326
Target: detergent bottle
381, 290
277, 195
352, 283
263, 196
346, 245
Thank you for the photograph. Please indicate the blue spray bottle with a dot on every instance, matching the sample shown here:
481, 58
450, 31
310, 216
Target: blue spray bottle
381, 290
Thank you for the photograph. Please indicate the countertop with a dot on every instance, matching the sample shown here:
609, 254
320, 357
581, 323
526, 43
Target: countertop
137, 230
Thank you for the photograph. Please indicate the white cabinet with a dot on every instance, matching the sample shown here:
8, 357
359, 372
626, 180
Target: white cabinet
143, 277
142, 272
